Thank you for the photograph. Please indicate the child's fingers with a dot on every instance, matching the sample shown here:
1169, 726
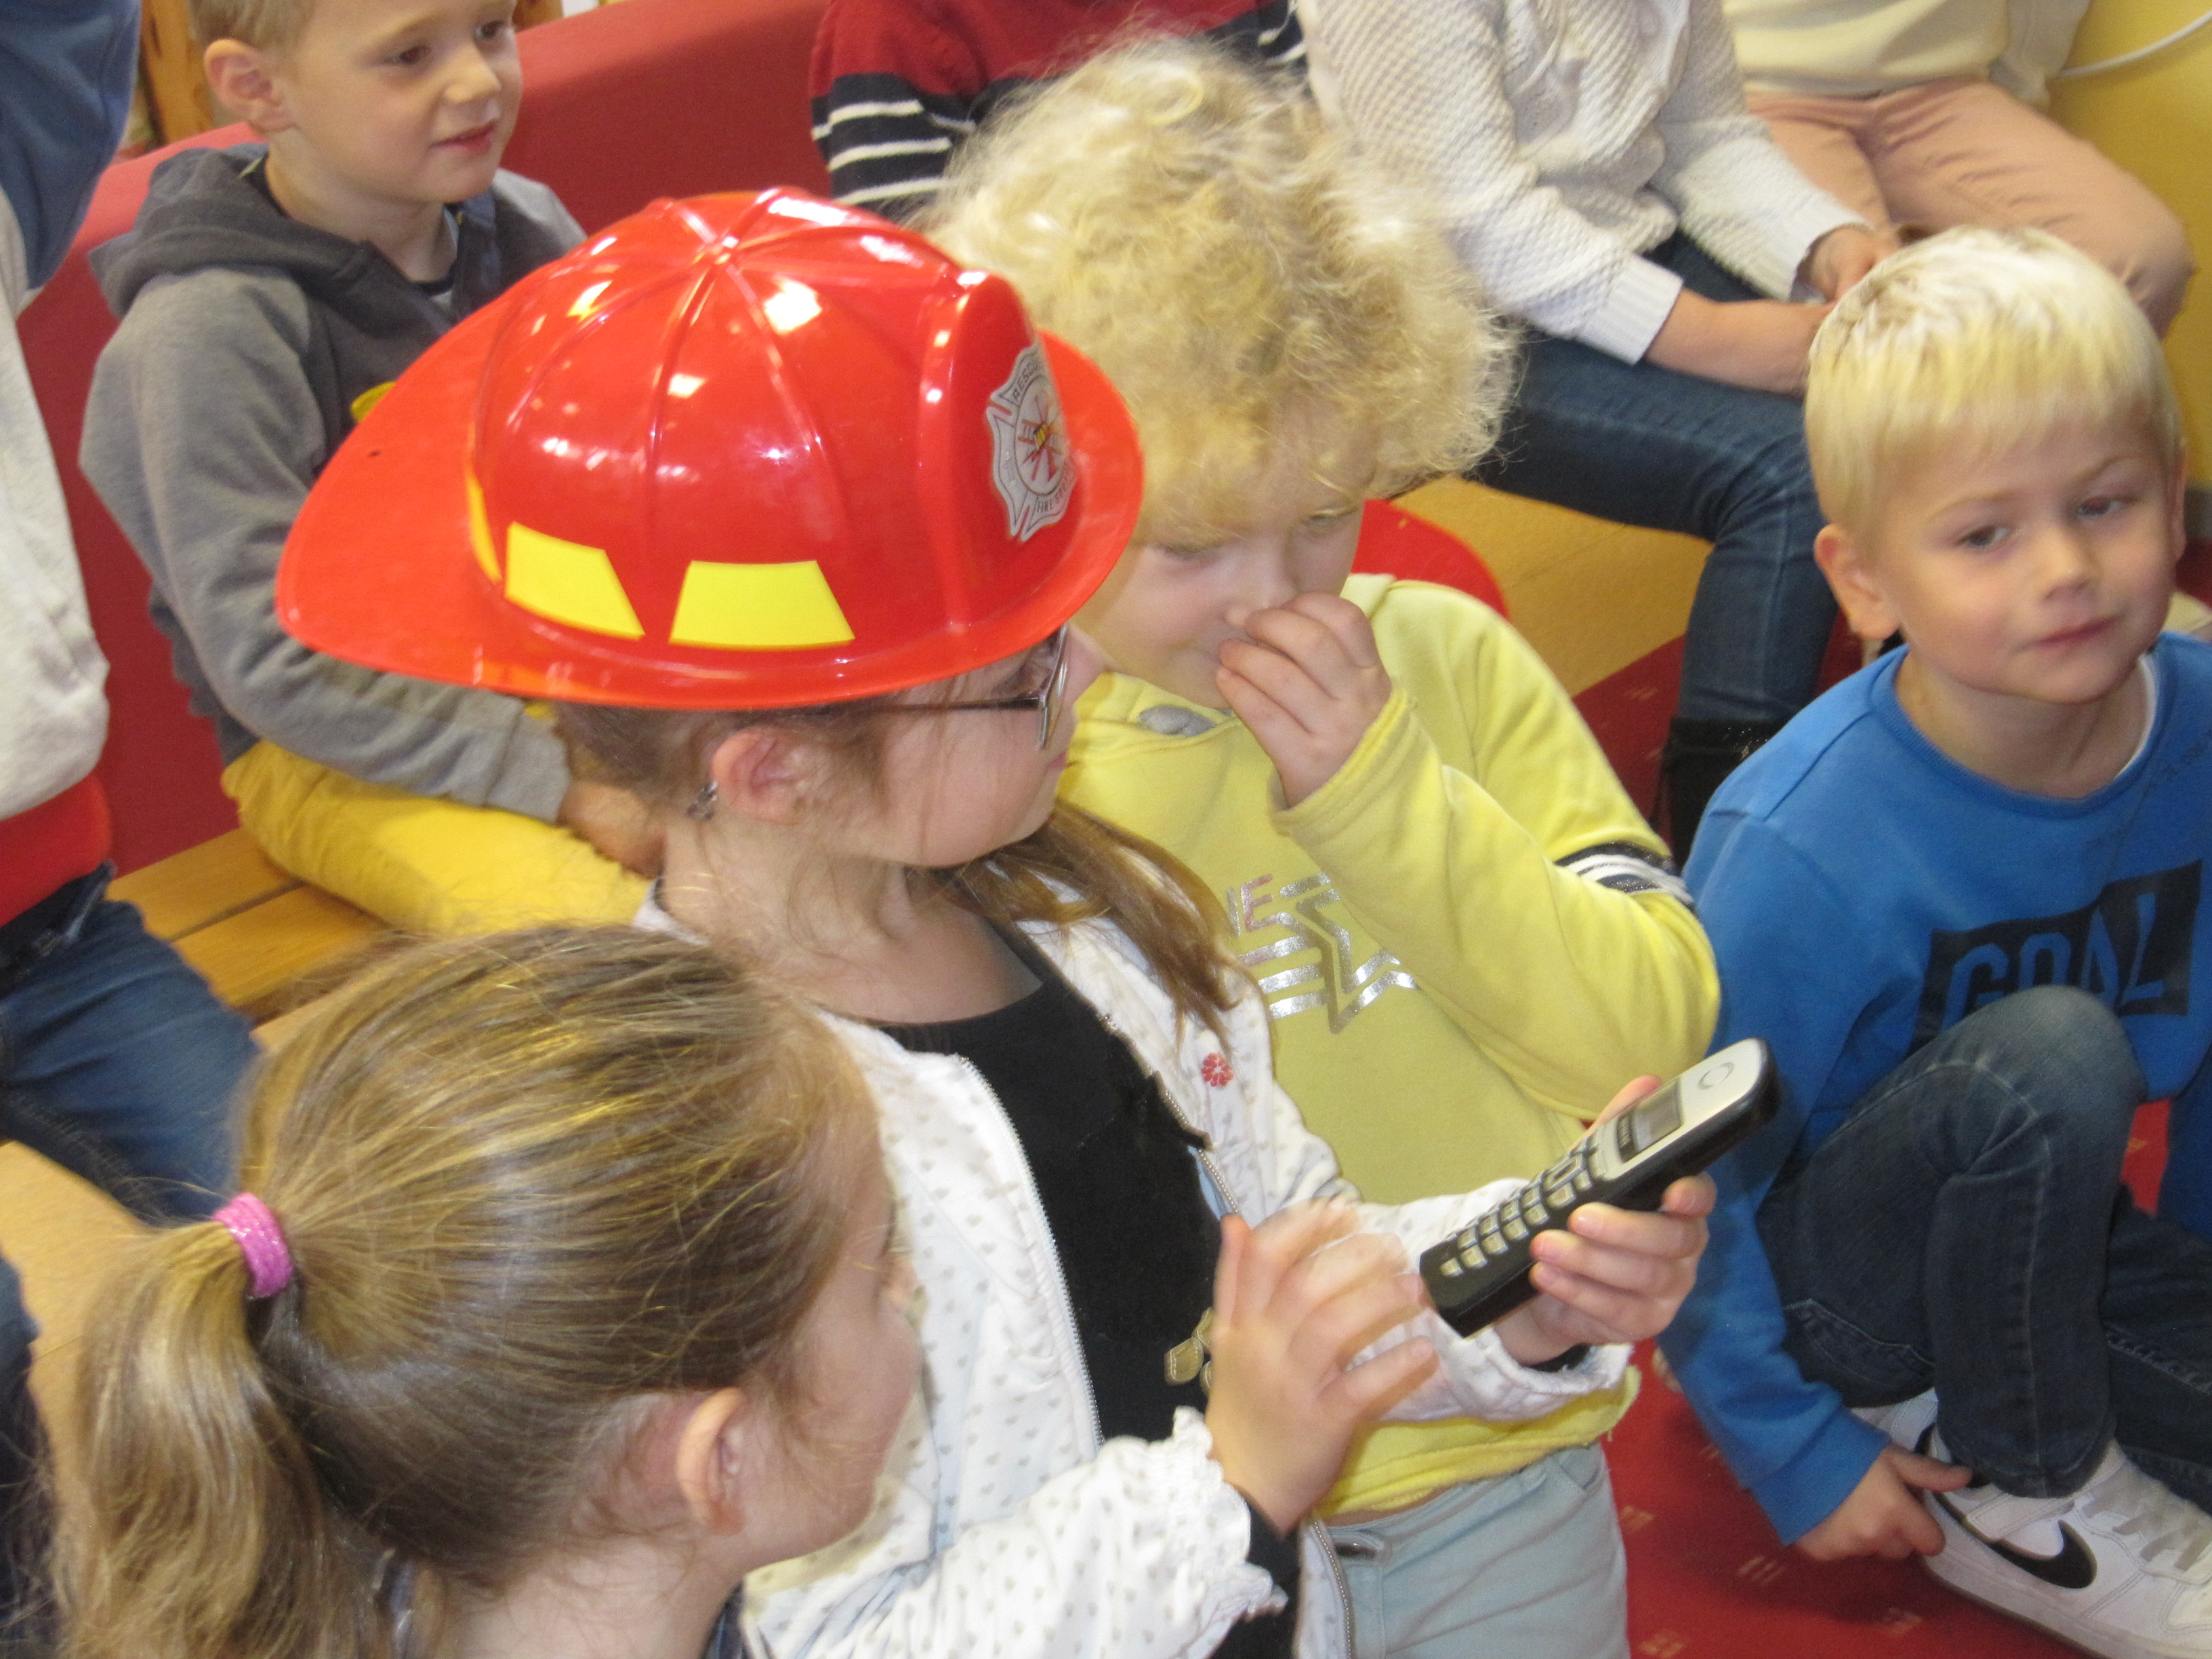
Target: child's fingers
1372, 1387
1351, 1258
1271, 723
1323, 653
1928, 1474
1228, 1267
1274, 1250
1287, 682
1692, 1195
1608, 1315
1669, 1235
1324, 1334
1354, 633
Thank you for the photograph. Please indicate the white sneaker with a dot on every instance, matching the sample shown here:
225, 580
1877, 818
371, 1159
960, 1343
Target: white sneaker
1905, 1422
2121, 1568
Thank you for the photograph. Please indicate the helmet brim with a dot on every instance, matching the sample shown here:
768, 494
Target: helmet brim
379, 567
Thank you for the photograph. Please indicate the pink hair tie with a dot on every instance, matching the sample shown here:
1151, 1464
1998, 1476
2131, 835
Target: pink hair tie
260, 1241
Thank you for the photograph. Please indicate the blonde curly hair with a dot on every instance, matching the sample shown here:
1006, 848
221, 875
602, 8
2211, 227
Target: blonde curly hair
1193, 225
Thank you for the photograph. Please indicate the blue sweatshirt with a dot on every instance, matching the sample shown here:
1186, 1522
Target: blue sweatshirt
1864, 892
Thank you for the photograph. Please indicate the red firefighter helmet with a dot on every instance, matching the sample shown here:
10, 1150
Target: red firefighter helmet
743, 451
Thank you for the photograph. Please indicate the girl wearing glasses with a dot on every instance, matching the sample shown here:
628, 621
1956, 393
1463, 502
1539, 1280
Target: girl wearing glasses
1151, 1315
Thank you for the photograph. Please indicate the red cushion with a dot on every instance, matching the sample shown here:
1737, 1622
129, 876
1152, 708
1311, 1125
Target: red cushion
646, 99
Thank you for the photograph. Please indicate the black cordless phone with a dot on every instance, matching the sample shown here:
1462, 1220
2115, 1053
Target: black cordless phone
1478, 1276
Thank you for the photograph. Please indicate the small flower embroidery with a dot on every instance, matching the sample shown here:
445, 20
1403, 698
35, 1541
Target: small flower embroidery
1215, 1070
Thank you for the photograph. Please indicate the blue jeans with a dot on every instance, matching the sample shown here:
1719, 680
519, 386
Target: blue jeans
117, 1063
1642, 445
1966, 1230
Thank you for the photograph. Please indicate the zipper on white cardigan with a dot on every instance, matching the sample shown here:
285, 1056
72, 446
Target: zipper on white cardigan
1325, 1546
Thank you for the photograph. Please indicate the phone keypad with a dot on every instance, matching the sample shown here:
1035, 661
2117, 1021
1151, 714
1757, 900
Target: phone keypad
1529, 1211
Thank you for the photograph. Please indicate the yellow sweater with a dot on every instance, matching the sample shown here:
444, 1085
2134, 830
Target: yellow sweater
1455, 986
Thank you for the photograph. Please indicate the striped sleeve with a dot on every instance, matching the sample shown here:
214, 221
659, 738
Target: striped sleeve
886, 141
1627, 867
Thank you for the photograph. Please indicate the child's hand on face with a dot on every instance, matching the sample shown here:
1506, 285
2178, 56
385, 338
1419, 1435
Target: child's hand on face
1294, 1299
1308, 682
1612, 1275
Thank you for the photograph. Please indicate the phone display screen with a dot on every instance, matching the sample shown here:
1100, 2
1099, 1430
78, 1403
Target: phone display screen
1650, 1121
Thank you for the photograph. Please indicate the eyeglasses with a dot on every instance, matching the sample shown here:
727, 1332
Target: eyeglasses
1047, 665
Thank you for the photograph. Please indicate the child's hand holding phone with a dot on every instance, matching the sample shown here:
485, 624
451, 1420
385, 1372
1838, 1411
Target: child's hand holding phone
1612, 1275
1294, 1300
1308, 682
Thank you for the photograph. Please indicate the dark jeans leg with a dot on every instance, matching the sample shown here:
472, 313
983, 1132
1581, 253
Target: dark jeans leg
2158, 1330
1642, 445
118, 1063
1953, 1233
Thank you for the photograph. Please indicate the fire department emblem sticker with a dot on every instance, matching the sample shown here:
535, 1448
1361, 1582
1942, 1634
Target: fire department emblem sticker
1029, 462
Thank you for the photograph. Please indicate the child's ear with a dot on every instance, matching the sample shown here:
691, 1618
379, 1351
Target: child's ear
1843, 560
765, 773
712, 1457
243, 84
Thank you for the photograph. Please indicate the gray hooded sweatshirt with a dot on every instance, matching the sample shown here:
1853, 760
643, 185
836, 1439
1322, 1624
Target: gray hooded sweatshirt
246, 337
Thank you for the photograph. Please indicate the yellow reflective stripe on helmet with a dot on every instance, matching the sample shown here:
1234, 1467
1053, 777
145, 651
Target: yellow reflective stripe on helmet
567, 582
480, 528
368, 400
758, 607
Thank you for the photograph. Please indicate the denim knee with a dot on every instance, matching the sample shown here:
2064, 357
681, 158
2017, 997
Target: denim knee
2059, 1053
2067, 1035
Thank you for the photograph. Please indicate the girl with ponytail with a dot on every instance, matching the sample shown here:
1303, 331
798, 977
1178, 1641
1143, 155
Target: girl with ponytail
563, 1296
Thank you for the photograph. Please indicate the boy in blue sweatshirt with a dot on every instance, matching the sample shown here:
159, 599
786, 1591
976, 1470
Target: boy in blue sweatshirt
1961, 895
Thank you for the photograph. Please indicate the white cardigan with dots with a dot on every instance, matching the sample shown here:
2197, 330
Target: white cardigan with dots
1005, 1528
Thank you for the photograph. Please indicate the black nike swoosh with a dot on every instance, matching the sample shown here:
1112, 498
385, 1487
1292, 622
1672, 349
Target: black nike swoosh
2075, 1567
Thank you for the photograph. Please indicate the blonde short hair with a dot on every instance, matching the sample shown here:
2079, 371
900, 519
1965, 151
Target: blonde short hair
1192, 226
1987, 336
270, 24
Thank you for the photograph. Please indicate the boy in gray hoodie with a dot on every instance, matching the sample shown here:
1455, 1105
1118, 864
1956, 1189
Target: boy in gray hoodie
267, 294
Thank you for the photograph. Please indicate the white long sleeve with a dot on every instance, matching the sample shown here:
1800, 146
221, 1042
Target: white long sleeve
1562, 142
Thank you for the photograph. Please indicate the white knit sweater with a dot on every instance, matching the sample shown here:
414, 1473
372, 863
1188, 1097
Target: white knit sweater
1563, 139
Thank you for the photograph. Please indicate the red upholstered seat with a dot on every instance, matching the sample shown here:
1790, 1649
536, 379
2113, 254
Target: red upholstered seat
1393, 543
624, 103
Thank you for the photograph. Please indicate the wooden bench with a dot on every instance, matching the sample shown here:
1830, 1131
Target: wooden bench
264, 940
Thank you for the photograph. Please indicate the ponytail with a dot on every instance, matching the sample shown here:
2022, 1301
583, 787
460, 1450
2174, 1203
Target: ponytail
205, 1529
525, 1181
